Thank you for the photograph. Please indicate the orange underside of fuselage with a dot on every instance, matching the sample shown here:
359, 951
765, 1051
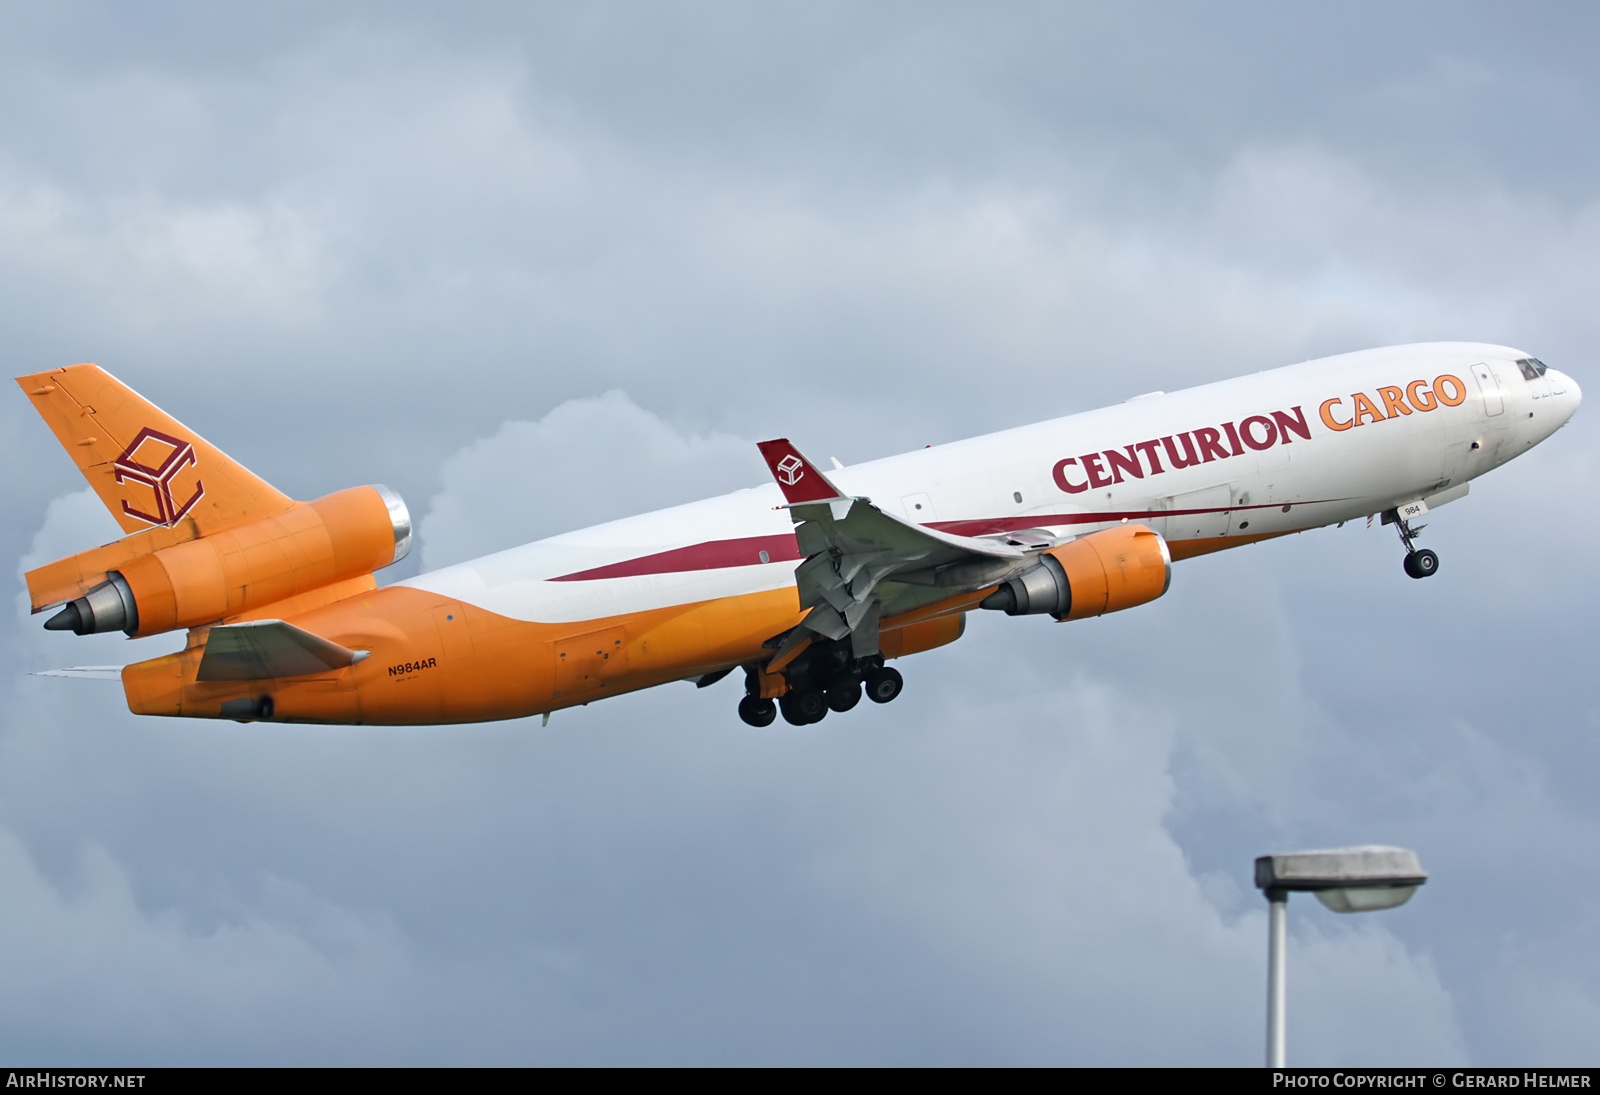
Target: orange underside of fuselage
434, 660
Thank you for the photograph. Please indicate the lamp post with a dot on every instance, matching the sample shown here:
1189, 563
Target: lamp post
1346, 880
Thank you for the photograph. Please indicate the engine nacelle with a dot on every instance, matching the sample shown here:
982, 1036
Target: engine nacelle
1105, 571
343, 535
917, 637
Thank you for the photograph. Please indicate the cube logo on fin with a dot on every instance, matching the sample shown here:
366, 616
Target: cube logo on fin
796, 476
148, 468
791, 469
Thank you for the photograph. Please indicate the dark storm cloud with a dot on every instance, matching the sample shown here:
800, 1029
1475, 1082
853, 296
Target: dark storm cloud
417, 246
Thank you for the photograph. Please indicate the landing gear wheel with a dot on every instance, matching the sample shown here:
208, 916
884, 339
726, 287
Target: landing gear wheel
884, 684
1422, 564
843, 694
757, 712
803, 708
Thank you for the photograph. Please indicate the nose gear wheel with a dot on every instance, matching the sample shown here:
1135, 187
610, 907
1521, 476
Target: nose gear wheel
1419, 562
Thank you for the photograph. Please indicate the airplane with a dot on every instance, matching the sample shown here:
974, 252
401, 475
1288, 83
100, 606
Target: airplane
809, 584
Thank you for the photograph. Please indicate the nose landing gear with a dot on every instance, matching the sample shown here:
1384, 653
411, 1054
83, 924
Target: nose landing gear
1419, 562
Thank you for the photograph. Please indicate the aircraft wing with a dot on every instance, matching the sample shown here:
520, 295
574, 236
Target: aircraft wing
265, 649
851, 547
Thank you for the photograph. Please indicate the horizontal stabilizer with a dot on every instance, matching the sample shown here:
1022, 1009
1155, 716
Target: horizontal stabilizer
85, 673
265, 649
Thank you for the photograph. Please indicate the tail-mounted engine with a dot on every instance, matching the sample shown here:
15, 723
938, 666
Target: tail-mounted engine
1103, 572
344, 535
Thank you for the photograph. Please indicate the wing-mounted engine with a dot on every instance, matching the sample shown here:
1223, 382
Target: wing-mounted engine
219, 576
868, 575
1106, 571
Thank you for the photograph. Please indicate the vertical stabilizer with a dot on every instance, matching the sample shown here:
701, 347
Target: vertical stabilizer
150, 470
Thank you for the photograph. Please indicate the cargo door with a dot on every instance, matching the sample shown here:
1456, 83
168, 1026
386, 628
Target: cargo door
1198, 514
454, 637
456, 682
1493, 402
585, 662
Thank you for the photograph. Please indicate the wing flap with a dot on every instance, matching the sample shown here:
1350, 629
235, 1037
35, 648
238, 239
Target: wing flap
267, 649
851, 547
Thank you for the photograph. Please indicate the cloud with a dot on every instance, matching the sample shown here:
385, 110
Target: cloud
92, 977
587, 461
392, 245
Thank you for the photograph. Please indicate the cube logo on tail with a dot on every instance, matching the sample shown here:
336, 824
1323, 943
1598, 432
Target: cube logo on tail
154, 471
790, 469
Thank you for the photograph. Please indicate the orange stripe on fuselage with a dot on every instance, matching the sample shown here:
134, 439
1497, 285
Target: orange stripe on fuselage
434, 660
1188, 549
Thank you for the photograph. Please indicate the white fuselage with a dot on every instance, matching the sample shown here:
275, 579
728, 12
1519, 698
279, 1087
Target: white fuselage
1279, 451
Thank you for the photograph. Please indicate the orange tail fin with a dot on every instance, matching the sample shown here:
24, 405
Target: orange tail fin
150, 470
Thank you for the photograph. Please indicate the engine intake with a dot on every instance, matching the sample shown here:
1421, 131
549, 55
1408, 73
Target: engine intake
1106, 571
343, 535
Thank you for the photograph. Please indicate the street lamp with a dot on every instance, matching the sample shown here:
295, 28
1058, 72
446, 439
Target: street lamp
1346, 880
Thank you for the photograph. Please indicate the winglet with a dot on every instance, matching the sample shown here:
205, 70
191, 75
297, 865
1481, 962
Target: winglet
799, 479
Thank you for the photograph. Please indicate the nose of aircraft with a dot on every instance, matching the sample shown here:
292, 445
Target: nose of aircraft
1566, 392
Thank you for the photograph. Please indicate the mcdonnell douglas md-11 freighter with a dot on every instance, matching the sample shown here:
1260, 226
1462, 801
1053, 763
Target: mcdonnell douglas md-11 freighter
808, 585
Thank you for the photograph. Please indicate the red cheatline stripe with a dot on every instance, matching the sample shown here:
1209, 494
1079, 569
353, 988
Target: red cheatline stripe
746, 551
982, 527
711, 555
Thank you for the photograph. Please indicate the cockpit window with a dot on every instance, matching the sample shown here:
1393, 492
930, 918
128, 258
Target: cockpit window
1532, 368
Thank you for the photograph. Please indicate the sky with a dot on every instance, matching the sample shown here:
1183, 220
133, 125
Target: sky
539, 266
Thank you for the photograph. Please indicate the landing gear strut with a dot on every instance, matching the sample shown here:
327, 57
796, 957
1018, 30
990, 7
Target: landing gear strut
826, 677
1420, 562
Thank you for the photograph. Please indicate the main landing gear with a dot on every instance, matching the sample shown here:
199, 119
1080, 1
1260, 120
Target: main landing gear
757, 711
1420, 562
825, 678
